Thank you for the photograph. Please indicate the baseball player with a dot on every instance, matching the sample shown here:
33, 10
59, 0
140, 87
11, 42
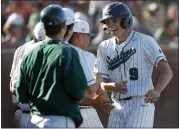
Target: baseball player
22, 116
80, 41
51, 78
93, 86
87, 60
128, 58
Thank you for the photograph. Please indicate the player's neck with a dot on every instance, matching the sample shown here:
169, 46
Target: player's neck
123, 37
56, 37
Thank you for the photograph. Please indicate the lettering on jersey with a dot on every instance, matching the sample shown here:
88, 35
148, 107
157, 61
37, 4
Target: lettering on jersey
120, 59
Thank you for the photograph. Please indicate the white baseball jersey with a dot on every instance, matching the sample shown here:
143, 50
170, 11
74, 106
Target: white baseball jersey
90, 116
14, 74
132, 60
86, 63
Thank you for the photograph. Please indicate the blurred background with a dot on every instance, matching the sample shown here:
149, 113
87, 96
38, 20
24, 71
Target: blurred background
157, 18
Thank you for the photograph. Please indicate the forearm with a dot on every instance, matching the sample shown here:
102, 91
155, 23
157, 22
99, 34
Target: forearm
86, 102
104, 97
92, 102
164, 79
107, 87
92, 88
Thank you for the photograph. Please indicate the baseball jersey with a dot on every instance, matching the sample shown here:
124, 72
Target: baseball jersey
132, 60
48, 85
14, 74
87, 61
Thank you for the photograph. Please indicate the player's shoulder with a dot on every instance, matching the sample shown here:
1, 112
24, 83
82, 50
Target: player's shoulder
26, 45
144, 37
89, 54
20, 49
79, 50
106, 43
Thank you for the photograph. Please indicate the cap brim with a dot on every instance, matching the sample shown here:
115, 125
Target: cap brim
69, 22
105, 18
91, 34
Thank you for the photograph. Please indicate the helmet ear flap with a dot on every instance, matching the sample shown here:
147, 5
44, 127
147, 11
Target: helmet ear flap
126, 22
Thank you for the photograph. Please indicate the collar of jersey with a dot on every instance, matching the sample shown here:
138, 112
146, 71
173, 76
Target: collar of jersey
125, 42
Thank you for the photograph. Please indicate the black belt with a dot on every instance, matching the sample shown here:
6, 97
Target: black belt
18, 108
25, 111
128, 98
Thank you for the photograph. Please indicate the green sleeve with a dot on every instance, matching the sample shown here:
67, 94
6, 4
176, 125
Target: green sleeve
22, 87
74, 78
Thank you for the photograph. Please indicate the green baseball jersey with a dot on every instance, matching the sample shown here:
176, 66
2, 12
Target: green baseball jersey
48, 85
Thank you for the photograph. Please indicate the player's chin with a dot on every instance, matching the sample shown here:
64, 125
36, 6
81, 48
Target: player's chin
115, 33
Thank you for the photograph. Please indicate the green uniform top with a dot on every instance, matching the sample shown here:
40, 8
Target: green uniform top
44, 84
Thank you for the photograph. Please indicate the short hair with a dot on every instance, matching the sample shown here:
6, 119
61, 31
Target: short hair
54, 29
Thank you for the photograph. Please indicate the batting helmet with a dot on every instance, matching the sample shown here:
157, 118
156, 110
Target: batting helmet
52, 15
118, 10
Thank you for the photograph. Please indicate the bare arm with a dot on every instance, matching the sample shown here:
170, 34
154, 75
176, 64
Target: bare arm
92, 89
166, 75
108, 86
164, 78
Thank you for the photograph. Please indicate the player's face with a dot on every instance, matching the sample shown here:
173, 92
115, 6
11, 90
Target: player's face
114, 26
84, 41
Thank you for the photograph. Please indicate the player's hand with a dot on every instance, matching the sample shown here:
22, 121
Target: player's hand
98, 77
152, 96
106, 107
121, 87
115, 87
100, 91
12, 90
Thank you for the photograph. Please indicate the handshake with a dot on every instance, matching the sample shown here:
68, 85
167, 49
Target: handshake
111, 86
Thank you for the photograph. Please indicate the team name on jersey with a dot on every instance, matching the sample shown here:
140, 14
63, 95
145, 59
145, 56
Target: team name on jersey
120, 59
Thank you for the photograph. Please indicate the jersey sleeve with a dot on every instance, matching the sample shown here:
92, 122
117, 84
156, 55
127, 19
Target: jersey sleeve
74, 78
100, 63
22, 86
152, 51
15, 61
87, 65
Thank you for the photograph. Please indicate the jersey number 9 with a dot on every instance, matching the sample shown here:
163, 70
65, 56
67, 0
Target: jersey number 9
133, 73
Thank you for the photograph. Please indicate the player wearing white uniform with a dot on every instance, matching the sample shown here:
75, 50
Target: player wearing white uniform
80, 41
87, 61
129, 57
22, 116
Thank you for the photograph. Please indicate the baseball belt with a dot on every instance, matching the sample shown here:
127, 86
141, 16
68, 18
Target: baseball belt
131, 97
128, 98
